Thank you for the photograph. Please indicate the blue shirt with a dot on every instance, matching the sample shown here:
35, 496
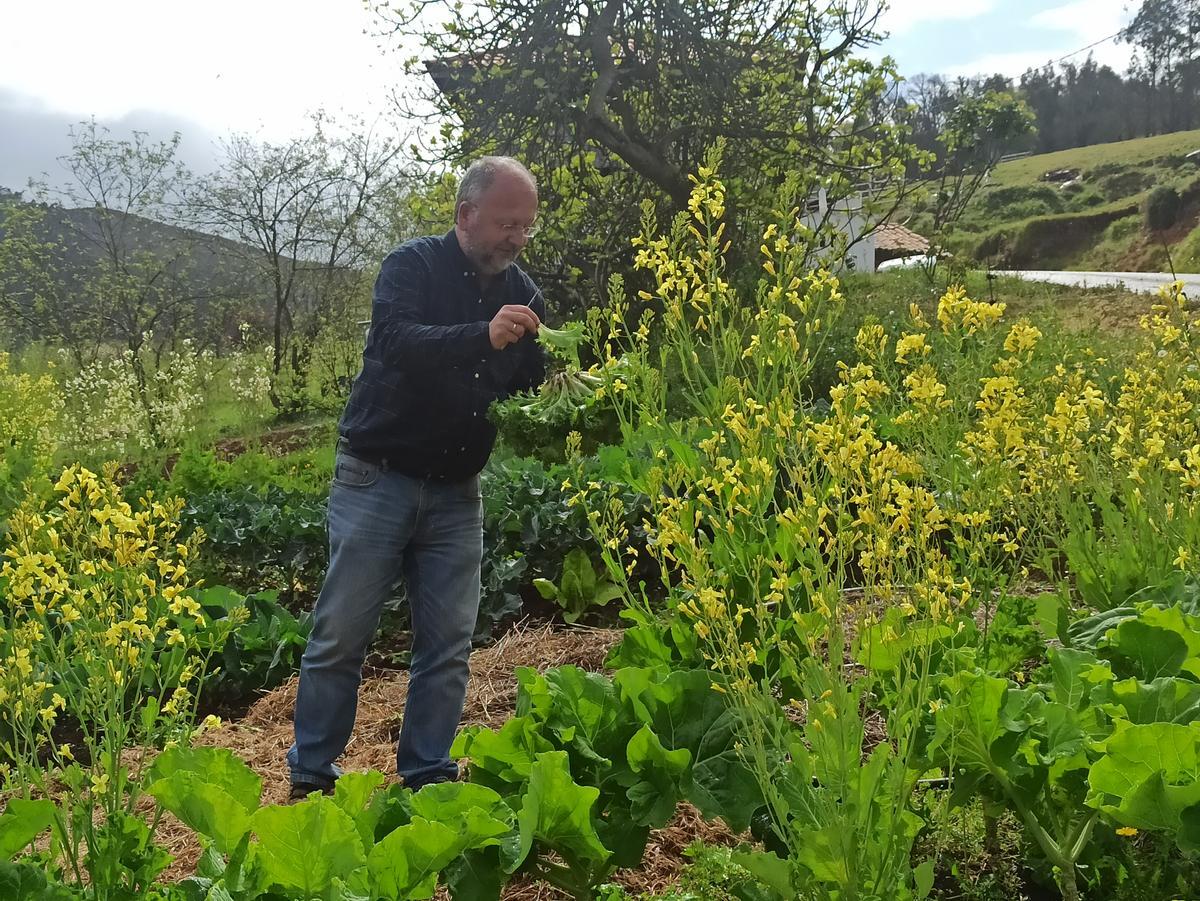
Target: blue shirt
429, 370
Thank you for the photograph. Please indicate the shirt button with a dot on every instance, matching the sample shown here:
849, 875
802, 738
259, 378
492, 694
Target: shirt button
475, 414
477, 375
463, 448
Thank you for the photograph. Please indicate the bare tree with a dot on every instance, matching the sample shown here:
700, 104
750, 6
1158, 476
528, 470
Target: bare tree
310, 214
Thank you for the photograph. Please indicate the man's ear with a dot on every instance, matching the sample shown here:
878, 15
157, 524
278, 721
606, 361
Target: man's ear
460, 212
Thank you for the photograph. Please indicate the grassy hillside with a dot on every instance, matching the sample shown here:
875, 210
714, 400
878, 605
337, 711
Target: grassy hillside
1137, 152
1022, 220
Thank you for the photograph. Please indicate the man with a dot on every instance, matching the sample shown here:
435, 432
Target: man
453, 328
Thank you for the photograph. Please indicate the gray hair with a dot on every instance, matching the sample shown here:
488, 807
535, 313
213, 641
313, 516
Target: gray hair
481, 173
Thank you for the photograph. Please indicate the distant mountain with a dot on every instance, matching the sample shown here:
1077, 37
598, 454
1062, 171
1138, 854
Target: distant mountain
219, 278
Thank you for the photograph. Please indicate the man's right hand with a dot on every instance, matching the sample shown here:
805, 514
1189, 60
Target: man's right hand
511, 324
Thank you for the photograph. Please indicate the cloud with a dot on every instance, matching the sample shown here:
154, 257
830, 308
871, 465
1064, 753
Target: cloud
903, 16
258, 66
36, 136
1017, 62
1087, 20
1075, 27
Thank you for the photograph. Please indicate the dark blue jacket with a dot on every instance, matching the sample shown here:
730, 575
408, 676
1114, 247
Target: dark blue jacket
429, 371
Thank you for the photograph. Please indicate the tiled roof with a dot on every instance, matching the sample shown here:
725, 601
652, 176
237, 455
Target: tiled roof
890, 236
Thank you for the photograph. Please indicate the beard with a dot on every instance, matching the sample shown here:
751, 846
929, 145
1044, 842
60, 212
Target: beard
490, 262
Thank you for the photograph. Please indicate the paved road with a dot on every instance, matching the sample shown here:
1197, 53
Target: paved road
1141, 282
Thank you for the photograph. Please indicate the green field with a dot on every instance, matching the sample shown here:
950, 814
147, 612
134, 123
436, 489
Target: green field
1124, 153
1020, 220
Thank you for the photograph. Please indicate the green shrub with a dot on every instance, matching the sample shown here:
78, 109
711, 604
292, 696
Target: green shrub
1162, 208
1123, 229
1011, 202
1125, 184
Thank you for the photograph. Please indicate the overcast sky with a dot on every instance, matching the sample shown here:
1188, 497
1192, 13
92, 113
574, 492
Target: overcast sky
260, 66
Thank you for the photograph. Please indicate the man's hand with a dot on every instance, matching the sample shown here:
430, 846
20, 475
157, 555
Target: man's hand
511, 324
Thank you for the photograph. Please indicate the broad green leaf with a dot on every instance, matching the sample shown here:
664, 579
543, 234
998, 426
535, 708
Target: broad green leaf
505, 757
584, 713
475, 812
204, 807
653, 799
27, 882
1069, 666
546, 589
686, 713
971, 720
476, 876
353, 793
558, 813
533, 694
821, 852
1053, 615
218, 766
1089, 632
770, 869
646, 753
923, 878
1153, 651
578, 567
1164, 700
22, 822
1148, 775
289, 839
406, 863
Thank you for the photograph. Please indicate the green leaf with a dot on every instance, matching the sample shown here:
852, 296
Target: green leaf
476, 876
558, 813
584, 713
1154, 651
923, 878
203, 807
406, 863
217, 766
1166, 700
22, 822
1069, 667
476, 813
772, 870
546, 589
27, 882
353, 793
1149, 775
505, 757
289, 839
685, 712
972, 720
664, 773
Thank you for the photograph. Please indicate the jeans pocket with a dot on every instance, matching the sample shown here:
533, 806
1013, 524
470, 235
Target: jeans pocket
351, 472
472, 489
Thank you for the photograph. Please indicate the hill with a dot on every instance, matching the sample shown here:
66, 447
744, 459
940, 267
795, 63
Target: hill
1083, 209
220, 279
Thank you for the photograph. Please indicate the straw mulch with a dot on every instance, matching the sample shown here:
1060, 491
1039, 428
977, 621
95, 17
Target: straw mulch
263, 736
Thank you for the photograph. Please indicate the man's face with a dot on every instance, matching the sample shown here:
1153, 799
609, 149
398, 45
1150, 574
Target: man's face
492, 230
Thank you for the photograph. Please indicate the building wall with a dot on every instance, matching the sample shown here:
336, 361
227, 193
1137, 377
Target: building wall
846, 219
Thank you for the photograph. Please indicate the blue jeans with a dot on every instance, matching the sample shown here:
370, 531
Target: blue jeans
383, 525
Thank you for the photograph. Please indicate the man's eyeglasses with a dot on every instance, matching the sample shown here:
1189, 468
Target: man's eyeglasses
525, 231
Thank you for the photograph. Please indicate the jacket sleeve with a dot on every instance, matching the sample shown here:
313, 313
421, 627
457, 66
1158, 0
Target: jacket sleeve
398, 313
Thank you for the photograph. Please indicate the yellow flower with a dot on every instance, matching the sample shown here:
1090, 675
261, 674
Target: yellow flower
1127, 831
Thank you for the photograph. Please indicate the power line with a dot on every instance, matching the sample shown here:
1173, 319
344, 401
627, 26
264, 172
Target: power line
1088, 47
